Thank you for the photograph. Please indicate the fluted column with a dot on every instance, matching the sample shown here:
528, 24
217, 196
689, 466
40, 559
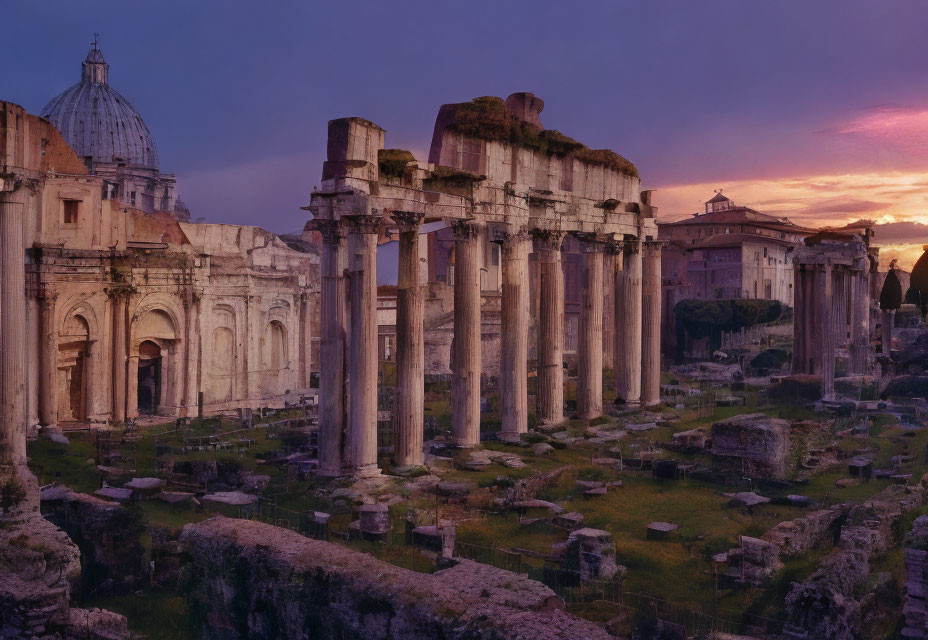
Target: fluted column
550, 380
826, 303
628, 325
513, 379
13, 327
120, 345
609, 258
48, 361
651, 325
361, 440
590, 347
860, 317
410, 350
840, 317
333, 321
466, 358
799, 309
887, 321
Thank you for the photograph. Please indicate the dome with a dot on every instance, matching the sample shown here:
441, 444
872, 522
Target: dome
98, 123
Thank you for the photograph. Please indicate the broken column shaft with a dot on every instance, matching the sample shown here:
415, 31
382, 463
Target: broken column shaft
410, 354
513, 382
361, 437
628, 325
590, 352
333, 321
651, 325
550, 381
465, 382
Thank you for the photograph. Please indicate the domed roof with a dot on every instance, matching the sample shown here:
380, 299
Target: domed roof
98, 122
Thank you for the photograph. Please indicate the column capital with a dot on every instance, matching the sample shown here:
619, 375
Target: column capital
363, 223
332, 231
548, 239
407, 220
465, 229
615, 247
631, 245
509, 238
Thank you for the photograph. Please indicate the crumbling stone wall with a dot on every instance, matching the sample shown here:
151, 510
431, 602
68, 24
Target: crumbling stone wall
753, 444
108, 535
916, 581
252, 580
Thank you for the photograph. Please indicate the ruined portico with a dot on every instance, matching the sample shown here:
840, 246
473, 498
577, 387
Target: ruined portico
494, 173
832, 301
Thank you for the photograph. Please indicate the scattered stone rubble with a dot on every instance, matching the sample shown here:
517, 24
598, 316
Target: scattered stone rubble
753, 445
256, 580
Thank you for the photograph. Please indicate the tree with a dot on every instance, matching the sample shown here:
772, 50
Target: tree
891, 294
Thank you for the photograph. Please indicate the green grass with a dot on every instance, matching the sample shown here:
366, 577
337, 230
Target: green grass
158, 615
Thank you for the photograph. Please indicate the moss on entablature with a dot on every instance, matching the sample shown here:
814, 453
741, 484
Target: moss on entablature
486, 118
392, 162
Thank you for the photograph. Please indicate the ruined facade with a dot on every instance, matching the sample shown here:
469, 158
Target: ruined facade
833, 305
492, 170
130, 313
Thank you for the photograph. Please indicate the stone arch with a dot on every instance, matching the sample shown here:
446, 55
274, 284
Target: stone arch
274, 347
155, 356
223, 354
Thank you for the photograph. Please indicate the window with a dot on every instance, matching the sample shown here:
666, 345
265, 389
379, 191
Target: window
494, 255
70, 211
132, 198
765, 252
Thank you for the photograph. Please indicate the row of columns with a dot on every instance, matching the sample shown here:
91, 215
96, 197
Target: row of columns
348, 410
829, 298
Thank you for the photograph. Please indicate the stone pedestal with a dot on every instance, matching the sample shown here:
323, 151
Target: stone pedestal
590, 352
333, 329
513, 379
361, 437
651, 325
465, 363
628, 325
550, 382
410, 354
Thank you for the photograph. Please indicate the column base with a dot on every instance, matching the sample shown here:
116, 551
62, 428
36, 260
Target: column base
509, 437
466, 445
367, 471
328, 473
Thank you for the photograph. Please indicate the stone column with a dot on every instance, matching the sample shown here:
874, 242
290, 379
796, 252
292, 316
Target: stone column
13, 328
120, 345
191, 350
306, 340
410, 349
48, 361
860, 317
826, 303
332, 348
799, 305
550, 381
888, 319
361, 439
590, 347
466, 357
840, 306
628, 326
513, 362
651, 325
609, 309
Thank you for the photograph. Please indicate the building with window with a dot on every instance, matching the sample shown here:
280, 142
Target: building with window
132, 312
725, 252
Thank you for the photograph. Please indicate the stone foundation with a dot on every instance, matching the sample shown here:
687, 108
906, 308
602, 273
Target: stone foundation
252, 580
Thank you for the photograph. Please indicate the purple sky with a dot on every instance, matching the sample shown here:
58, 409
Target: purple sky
715, 92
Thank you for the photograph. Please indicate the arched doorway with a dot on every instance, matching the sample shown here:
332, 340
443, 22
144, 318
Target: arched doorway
275, 357
72, 375
149, 382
